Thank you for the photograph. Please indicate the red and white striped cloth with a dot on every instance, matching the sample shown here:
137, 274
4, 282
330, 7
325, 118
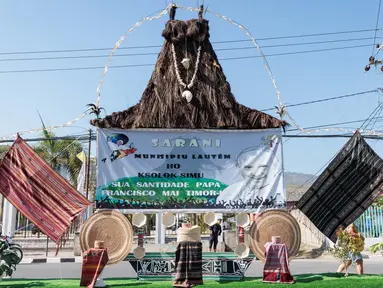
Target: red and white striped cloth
276, 269
94, 261
35, 189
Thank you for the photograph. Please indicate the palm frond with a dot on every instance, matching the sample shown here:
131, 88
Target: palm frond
46, 132
96, 110
376, 247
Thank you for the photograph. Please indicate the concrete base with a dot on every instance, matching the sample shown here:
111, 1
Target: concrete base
76, 245
100, 281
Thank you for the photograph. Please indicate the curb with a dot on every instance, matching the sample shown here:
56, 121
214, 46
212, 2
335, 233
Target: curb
56, 260
51, 260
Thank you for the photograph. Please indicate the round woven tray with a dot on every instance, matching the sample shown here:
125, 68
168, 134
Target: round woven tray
113, 228
274, 223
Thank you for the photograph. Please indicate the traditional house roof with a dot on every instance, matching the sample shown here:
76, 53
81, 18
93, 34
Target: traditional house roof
212, 106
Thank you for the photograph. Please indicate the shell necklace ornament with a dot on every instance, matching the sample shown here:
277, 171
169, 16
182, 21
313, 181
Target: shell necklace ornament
186, 63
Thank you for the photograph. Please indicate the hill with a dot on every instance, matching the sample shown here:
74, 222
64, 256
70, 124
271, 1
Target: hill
297, 184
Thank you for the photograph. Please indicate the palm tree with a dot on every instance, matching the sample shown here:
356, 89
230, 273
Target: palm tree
60, 154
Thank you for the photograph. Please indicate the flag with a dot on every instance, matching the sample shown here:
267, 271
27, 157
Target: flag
82, 174
81, 156
35, 189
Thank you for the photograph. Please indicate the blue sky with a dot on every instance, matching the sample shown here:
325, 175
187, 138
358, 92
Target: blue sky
62, 95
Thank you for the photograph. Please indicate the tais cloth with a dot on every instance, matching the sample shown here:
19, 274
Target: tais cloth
94, 261
188, 264
35, 189
276, 269
345, 189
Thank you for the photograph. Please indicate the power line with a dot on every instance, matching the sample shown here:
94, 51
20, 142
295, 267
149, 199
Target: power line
325, 99
335, 124
81, 137
214, 42
371, 116
376, 26
156, 53
332, 136
94, 138
302, 36
300, 52
152, 64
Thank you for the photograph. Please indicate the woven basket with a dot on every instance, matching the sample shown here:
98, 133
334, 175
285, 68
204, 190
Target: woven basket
192, 234
111, 227
271, 223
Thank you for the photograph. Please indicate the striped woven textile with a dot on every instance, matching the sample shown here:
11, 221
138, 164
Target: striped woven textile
276, 269
93, 264
188, 264
38, 191
345, 189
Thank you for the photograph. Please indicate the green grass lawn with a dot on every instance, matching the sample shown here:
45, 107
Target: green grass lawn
306, 280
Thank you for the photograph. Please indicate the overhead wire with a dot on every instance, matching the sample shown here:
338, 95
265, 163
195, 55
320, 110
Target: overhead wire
368, 119
152, 64
334, 124
213, 42
376, 118
207, 7
156, 53
325, 99
376, 26
370, 137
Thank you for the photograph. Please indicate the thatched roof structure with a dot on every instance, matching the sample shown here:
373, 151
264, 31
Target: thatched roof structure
213, 105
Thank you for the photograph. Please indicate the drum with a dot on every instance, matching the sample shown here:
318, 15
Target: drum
271, 223
111, 227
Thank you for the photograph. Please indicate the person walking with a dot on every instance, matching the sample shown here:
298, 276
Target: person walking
356, 257
215, 231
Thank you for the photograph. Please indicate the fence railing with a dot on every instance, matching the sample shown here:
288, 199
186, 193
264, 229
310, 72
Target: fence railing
370, 223
26, 229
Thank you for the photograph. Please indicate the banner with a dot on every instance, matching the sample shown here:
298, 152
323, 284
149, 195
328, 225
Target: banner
220, 170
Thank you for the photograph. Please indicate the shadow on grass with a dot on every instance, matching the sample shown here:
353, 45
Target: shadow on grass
134, 284
307, 278
24, 285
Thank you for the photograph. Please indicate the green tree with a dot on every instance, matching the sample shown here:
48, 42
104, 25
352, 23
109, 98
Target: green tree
3, 150
60, 154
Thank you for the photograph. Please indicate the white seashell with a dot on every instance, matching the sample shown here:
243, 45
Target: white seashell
186, 63
188, 95
139, 220
139, 252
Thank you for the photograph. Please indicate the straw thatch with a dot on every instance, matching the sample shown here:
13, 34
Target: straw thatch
213, 105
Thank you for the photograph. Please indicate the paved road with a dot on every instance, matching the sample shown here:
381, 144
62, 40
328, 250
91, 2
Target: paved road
73, 270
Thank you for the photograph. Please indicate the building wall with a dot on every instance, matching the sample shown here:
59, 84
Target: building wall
310, 233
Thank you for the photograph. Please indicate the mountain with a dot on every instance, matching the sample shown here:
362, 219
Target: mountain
297, 184
294, 178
